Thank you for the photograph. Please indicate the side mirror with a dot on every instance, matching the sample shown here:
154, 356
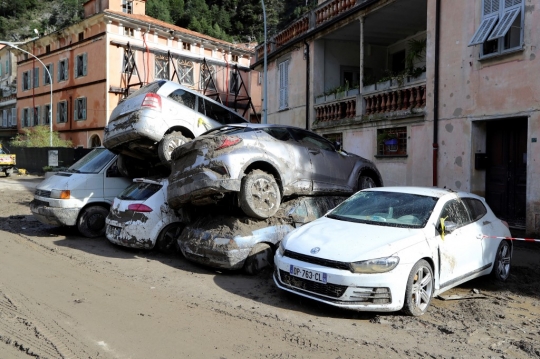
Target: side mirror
449, 226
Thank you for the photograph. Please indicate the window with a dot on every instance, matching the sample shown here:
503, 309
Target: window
129, 31
208, 72
81, 36
61, 112
221, 114
454, 211
80, 109
35, 116
25, 117
26, 80
128, 63
183, 97
335, 138
284, 85
161, 68
234, 58
48, 48
46, 114
127, 6
46, 79
476, 208
80, 65
36, 77
234, 83
185, 72
311, 140
501, 29
5, 120
186, 46
392, 141
63, 67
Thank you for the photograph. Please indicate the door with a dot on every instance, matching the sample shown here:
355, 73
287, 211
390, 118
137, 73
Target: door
506, 170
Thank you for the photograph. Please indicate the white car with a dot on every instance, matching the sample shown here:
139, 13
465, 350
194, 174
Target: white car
141, 218
393, 248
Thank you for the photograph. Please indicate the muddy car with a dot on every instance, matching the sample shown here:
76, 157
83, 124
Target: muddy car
140, 217
236, 242
160, 116
261, 164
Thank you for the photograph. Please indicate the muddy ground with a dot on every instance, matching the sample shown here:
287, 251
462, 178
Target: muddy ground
65, 296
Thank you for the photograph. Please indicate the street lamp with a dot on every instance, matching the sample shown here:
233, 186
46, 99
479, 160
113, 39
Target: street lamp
14, 45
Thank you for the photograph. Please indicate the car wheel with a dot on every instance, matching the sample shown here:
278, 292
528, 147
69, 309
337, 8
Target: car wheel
168, 144
91, 221
419, 289
8, 172
261, 256
259, 195
366, 182
166, 241
501, 267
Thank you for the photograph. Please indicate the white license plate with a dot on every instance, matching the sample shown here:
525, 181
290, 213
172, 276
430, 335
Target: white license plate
308, 274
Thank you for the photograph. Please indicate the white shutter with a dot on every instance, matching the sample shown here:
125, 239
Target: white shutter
286, 82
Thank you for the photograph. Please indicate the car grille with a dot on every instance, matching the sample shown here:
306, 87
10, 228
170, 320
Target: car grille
42, 193
37, 202
319, 261
330, 290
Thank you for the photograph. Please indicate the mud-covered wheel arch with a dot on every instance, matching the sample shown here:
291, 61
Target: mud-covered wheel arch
368, 179
91, 221
167, 240
172, 139
260, 257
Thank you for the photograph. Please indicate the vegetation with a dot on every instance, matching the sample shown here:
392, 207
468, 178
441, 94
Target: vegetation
231, 20
39, 136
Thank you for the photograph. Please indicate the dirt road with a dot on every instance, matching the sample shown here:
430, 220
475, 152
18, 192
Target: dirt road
65, 296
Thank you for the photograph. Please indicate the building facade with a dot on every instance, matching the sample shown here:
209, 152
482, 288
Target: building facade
437, 93
92, 65
8, 94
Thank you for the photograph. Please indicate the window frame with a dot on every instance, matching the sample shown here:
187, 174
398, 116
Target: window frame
161, 66
386, 149
206, 73
25, 117
36, 116
79, 109
186, 70
46, 112
63, 70
81, 65
283, 71
46, 78
61, 112
26, 80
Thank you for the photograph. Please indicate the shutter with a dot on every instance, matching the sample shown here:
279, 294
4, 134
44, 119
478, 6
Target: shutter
58, 72
4, 118
506, 21
37, 117
66, 69
13, 116
51, 70
85, 61
36, 77
75, 113
84, 108
58, 113
1, 69
286, 94
490, 15
29, 117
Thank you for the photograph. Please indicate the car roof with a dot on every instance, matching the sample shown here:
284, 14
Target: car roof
424, 191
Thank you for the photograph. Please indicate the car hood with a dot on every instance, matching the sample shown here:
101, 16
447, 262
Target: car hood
349, 242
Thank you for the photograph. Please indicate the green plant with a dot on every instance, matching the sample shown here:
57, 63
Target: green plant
39, 136
416, 51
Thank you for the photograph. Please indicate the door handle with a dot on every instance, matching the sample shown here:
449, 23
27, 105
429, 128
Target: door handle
314, 151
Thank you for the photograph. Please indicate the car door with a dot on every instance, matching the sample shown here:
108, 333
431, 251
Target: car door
330, 169
460, 250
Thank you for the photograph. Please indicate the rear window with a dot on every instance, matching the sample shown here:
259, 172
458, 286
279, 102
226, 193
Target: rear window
150, 88
476, 208
139, 191
278, 133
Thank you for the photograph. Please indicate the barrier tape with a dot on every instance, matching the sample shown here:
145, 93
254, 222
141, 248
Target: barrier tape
514, 239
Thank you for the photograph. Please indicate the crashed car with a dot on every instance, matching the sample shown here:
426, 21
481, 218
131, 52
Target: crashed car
140, 217
393, 248
160, 116
229, 242
262, 164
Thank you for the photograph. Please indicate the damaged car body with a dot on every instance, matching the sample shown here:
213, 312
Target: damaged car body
140, 217
160, 116
235, 242
262, 164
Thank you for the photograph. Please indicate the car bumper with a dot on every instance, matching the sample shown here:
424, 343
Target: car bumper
195, 188
127, 235
133, 127
207, 252
384, 292
54, 216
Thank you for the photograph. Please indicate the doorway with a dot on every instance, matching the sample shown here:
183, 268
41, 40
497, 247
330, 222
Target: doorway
506, 172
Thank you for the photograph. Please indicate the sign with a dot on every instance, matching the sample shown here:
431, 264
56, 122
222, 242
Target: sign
53, 158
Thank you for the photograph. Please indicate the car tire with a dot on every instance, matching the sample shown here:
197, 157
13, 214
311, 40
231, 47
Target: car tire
91, 222
260, 257
259, 195
366, 182
167, 145
419, 289
167, 239
8, 172
501, 267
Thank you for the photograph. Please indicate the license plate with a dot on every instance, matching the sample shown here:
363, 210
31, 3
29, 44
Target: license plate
308, 274
114, 231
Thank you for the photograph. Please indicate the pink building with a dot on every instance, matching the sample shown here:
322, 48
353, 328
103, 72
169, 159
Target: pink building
113, 51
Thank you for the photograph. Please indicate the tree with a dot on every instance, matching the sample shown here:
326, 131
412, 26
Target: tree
39, 136
159, 9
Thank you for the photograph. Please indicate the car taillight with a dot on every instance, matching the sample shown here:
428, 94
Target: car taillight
139, 207
152, 101
228, 142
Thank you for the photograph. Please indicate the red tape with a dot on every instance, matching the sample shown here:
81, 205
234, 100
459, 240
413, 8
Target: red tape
515, 239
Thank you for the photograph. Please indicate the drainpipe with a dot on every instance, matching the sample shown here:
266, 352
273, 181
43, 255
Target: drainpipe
306, 54
436, 92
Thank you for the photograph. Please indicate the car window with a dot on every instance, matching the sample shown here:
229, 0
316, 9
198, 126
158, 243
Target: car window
139, 191
455, 211
476, 208
221, 114
278, 133
183, 97
200, 108
150, 88
311, 140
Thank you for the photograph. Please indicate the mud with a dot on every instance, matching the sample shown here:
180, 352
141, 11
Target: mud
66, 296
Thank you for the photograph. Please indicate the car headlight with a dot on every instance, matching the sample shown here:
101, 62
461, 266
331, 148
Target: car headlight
61, 194
379, 265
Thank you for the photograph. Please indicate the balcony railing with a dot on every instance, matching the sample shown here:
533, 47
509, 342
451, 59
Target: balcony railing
327, 11
395, 100
336, 110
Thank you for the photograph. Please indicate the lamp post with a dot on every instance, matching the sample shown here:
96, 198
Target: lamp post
14, 45
265, 70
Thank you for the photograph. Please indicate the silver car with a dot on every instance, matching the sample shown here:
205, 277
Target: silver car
160, 116
263, 164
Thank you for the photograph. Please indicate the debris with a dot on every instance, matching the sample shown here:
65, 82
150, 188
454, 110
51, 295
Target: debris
460, 297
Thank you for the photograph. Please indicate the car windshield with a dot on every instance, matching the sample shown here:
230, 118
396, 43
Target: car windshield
386, 209
139, 191
93, 162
